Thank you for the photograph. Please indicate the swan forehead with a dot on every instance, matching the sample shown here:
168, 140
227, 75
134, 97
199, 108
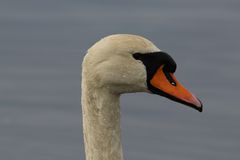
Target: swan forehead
122, 44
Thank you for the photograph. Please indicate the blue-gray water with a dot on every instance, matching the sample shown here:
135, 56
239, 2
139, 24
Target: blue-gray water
41, 48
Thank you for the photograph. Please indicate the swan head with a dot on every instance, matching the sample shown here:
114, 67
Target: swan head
125, 63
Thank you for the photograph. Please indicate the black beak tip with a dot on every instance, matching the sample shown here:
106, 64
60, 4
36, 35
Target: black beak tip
200, 109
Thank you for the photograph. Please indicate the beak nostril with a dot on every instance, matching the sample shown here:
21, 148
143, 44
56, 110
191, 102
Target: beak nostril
169, 77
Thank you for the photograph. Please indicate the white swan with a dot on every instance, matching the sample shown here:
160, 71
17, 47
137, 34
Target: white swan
121, 64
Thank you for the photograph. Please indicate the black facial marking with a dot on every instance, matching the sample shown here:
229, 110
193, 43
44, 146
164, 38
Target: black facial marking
154, 60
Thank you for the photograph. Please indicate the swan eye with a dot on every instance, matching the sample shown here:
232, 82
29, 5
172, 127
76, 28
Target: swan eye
137, 56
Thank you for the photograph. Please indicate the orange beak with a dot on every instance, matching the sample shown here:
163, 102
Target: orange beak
174, 90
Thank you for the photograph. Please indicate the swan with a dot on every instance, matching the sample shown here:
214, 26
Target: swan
118, 64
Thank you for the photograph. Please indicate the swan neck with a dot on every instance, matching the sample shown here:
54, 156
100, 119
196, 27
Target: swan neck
101, 124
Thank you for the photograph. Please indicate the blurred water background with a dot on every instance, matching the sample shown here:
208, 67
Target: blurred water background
42, 44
